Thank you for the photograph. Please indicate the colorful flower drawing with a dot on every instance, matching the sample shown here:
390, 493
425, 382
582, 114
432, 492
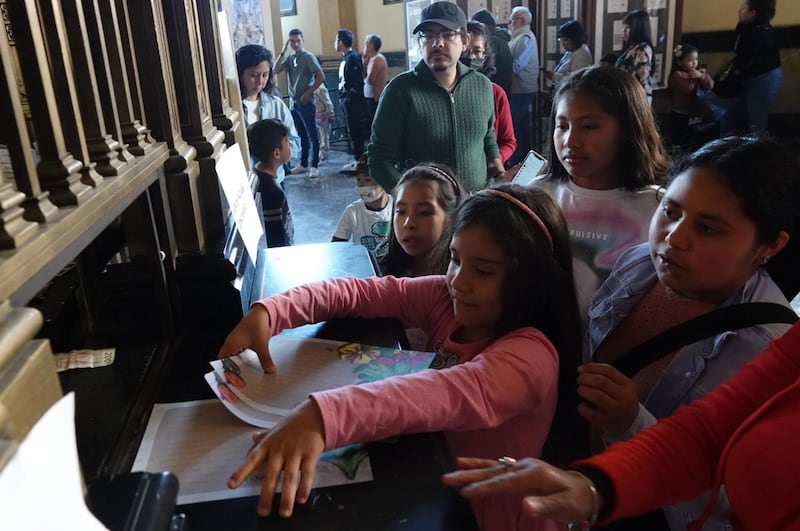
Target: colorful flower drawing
392, 362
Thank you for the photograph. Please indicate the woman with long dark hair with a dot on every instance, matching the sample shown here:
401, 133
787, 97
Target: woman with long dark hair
637, 52
259, 102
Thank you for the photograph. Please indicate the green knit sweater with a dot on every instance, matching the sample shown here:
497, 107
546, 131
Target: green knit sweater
419, 121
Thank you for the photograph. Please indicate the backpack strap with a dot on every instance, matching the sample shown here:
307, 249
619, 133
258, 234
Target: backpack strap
710, 324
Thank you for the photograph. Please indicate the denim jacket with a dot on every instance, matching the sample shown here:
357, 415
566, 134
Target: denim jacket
696, 369
271, 106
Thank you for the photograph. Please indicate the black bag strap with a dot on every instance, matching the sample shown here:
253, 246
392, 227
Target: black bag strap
715, 322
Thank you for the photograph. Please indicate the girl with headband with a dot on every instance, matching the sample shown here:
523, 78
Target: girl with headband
502, 322
426, 197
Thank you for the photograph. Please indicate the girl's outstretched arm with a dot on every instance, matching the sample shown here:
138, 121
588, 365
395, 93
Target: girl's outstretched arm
549, 491
252, 332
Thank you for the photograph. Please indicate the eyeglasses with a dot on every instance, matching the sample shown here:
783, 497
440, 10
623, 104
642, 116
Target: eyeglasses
476, 52
443, 36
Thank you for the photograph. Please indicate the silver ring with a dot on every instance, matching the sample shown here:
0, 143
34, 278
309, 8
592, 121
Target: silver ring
508, 462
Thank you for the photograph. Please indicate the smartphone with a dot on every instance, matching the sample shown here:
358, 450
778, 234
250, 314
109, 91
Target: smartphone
530, 168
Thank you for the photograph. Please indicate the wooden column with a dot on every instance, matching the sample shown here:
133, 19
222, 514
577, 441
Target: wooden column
59, 172
14, 229
161, 114
191, 89
329, 24
223, 116
129, 62
103, 75
65, 88
102, 147
115, 30
346, 18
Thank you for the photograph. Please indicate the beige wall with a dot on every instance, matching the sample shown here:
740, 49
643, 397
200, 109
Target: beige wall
387, 21
715, 15
371, 16
307, 20
720, 15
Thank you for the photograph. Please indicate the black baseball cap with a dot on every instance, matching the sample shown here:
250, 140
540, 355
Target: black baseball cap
447, 14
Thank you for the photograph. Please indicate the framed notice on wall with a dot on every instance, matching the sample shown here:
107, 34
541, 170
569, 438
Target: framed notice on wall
608, 30
555, 13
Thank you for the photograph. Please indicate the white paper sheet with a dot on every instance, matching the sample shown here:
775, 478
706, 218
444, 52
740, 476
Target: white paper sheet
656, 4
304, 365
552, 40
234, 185
202, 444
475, 5
40, 487
552, 9
617, 6
566, 8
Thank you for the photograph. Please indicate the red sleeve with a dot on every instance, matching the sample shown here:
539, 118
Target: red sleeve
504, 130
677, 458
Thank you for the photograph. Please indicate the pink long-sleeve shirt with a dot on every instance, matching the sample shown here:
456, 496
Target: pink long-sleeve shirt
494, 398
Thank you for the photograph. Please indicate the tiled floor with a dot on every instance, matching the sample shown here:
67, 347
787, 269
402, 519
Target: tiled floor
316, 204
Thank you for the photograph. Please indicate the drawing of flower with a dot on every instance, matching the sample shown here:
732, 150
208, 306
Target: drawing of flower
357, 354
392, 362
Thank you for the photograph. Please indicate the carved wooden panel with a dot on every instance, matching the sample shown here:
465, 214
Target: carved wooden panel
148, 30
223, 116
58, 171
65, 89
106, 84
102, 147
114, 30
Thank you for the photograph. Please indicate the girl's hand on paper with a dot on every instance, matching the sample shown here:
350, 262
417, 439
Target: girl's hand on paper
253, 332
293, 448
610, 401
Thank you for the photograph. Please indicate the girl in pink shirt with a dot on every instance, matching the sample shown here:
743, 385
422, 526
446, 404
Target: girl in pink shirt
503, 324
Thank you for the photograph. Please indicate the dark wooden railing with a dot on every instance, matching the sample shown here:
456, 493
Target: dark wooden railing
113, 115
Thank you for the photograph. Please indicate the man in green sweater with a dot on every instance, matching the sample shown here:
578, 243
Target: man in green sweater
440, 111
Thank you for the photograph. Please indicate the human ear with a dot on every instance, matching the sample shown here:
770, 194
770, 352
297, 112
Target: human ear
768, 250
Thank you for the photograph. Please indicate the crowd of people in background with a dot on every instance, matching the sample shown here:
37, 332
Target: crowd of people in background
582, 309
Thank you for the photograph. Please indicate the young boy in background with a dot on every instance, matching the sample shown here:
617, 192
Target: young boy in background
269, 144
367, 220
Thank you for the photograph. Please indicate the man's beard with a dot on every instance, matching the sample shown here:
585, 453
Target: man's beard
439, 65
